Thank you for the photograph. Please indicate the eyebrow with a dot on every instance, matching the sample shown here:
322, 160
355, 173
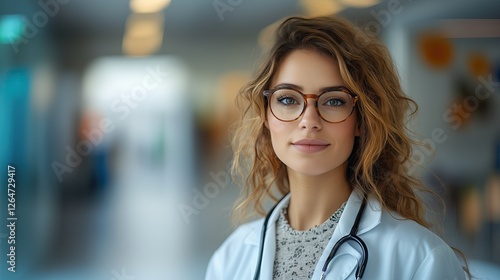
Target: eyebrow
297, 87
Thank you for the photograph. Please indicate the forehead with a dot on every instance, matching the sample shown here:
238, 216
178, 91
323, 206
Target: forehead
308, 69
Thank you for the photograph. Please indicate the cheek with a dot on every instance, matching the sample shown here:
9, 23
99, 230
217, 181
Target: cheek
273, 124
277, 130
351, 125
346, 130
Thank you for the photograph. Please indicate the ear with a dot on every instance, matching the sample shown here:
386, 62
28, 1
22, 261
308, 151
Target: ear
266, 122
357, 131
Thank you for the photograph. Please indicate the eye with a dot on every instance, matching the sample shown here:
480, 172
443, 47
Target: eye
287, 100
334, 102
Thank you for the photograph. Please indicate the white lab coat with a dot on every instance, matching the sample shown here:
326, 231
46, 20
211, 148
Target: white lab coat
397, 249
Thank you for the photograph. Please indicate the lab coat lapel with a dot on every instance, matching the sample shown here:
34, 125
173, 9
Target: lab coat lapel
345, 261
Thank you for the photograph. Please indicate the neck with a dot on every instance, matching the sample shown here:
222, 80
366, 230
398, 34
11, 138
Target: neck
314, 199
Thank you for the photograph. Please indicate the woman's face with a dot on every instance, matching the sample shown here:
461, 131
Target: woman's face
332, 142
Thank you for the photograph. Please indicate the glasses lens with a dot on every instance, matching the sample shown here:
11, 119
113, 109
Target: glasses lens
286, 104
335, 106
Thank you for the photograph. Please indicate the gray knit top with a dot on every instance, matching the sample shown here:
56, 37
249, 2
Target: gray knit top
297, 252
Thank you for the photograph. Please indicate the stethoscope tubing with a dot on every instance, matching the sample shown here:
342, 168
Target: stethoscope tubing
263, 238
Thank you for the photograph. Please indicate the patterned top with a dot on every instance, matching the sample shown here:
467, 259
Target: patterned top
297, 252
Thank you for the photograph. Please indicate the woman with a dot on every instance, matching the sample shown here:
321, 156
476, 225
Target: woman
324, 123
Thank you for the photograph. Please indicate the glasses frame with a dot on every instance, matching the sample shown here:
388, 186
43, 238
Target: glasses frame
269, 92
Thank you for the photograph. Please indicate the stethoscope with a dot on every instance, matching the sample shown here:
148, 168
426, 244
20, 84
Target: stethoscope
352, 236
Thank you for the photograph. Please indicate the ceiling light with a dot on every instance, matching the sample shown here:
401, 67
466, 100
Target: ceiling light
316, 8
144, 25
148, 6
143, 34
359, 3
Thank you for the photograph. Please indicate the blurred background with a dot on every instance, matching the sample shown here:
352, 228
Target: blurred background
114, 115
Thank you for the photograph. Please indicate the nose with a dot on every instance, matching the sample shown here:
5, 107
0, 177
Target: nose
310, 119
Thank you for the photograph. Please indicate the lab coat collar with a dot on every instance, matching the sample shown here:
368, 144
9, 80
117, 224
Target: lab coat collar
253, 237
370, 219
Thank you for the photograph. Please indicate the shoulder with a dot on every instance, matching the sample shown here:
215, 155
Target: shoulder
404, 230
422, 253
248, 233
236, 253
380, 223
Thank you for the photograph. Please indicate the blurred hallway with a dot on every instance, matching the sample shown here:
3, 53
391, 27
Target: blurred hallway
116, 115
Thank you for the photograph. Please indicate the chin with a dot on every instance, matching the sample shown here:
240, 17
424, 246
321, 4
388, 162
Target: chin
308, 170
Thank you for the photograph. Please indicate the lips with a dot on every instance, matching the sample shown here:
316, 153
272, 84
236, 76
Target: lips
310, 145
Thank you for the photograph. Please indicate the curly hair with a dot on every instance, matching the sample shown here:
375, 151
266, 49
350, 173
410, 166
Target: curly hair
381, 156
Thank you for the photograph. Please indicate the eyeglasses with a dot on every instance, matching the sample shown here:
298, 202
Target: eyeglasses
334, 105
